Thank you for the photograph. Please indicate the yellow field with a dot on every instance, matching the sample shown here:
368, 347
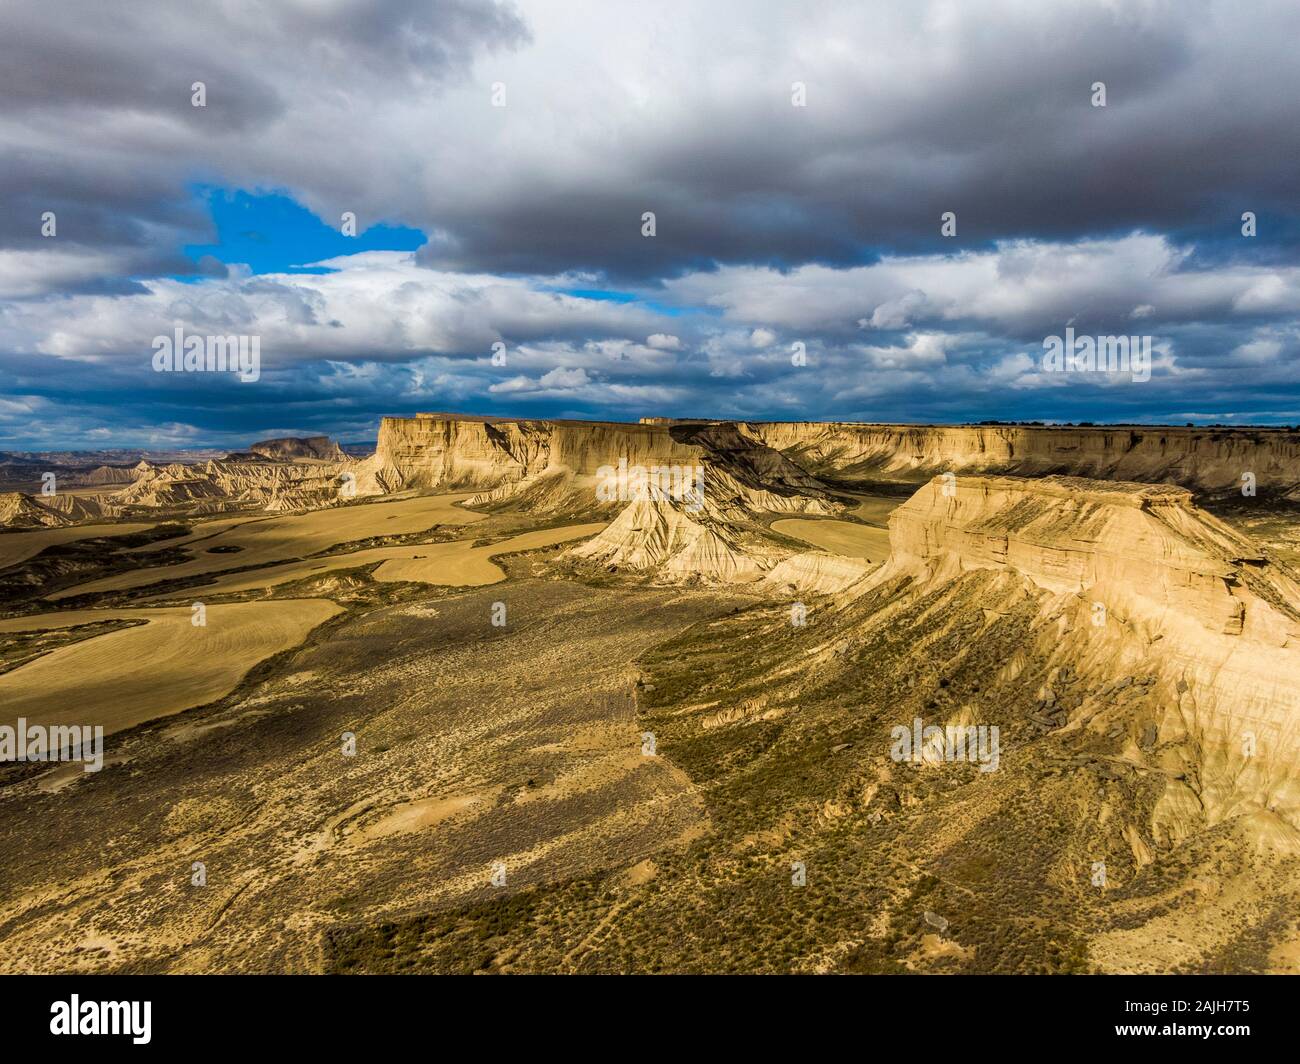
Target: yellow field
875, 509
293, 536
457, 564
200, 530
127, 677
17, 547
839, 537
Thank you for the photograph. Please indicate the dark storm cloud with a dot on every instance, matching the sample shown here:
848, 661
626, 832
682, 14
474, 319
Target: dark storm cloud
911, 111
99, 125
991, 117
775, 224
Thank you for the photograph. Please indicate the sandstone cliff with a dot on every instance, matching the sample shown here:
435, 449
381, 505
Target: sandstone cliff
1126, 580
1212, 460
451, 450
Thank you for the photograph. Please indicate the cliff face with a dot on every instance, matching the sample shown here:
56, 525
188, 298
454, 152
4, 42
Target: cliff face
1126, 580
454, 451
1067, 534
427, 452
450, 452
1202, 459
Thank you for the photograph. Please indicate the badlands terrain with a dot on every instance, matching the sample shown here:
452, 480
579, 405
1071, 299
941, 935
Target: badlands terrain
557, 696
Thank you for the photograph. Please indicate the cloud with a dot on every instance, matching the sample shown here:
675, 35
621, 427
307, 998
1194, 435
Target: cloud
1020, 287
562, 377
616, 109
380, 334
776, 225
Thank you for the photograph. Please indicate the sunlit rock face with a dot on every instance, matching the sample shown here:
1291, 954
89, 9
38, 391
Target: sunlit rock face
1199, 458
1134, 579
458, 451
276, 486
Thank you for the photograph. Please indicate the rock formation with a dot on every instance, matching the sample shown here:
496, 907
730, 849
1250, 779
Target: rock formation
1204, 459
291, 448
1126, 580
20, 510
454, 450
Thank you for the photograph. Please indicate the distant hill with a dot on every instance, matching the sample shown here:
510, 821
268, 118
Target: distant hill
293, 447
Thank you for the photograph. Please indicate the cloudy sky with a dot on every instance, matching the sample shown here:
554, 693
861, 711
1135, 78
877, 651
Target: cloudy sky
499, 158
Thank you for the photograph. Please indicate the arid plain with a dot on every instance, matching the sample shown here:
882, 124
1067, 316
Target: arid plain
490, 700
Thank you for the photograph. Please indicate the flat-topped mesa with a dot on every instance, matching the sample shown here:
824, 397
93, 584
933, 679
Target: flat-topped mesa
297, 447
465, 450
505, 456
1119, 541
1205, 459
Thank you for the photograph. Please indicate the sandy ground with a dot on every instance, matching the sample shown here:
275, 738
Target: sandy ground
875, 509
475, 745
293, 536
457, 564
466, 566
17, 547
839, 537
135, 674
201, 530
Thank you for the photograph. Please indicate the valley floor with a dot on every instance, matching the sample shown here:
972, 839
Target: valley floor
478, 761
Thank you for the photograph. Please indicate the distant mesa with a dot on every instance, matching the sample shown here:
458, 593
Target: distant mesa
297, 447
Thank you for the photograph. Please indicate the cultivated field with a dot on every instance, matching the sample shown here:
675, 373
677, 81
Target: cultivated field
167, 665
16, 547
455, 564
279, 539
840, 537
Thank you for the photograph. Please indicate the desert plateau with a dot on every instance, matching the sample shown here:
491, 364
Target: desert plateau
627, 499
523, 696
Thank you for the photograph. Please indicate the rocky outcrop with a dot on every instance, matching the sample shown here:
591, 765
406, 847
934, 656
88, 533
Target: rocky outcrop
450, 451
81, 508
713, 536
1133, 580
1203, 459
99, 476
454, 451
815, 573
215, 487
1067, 534
557, 467
292, 448
461, 451
20, 510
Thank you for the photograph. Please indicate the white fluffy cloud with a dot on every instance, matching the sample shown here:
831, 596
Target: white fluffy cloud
1017, 287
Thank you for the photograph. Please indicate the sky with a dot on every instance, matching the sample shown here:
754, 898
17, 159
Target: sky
499, 159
